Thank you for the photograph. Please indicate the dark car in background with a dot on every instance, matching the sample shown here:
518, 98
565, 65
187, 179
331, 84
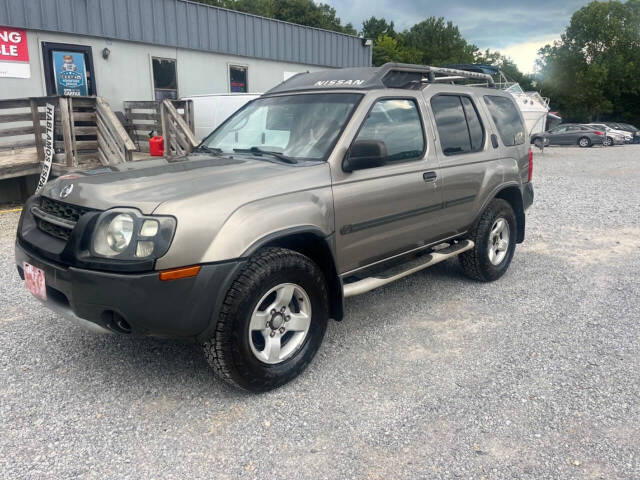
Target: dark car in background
569, 134
627, 128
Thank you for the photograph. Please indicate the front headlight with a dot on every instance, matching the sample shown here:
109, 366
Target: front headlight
126, 234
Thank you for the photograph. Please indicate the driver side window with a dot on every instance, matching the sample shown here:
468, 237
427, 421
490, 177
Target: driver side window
396, 123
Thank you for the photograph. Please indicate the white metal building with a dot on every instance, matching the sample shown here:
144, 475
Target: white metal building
153, 49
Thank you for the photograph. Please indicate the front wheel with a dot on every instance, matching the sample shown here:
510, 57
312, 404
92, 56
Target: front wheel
272, 321
608, 142
494, 236
584, 142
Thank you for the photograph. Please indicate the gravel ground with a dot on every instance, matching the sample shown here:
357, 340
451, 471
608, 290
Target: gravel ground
534, 376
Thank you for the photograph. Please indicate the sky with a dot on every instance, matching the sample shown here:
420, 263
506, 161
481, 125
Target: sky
515, 28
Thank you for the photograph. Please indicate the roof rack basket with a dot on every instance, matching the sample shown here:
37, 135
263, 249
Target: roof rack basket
404, 75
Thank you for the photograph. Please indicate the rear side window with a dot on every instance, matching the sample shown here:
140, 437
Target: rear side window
506, 116
459, 126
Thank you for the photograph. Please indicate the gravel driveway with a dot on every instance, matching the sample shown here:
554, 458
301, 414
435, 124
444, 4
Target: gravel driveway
534, 376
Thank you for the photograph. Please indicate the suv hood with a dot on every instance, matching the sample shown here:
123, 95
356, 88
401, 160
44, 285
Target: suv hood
147, 184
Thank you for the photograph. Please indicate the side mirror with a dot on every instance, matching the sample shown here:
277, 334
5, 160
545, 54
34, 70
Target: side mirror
365, 154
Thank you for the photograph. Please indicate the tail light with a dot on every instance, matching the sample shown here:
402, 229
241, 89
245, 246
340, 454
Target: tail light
598, 133
530, 165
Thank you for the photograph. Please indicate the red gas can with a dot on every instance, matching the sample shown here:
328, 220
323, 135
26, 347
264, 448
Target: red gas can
156, 146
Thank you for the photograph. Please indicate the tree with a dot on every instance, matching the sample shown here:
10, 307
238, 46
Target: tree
439, 42
375, 27
506, 65
388, 49
592, 72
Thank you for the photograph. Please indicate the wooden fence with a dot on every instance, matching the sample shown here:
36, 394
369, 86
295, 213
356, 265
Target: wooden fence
87, 134
178, 136
142, 118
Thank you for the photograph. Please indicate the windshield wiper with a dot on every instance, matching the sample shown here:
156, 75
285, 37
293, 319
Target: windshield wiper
258, 151
204, 148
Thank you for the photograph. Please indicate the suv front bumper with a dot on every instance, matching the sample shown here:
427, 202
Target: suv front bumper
184, 308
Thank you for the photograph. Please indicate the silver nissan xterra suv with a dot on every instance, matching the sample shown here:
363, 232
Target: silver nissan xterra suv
328, 186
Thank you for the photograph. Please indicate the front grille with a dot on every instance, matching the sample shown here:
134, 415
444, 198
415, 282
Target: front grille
62, 210
54, 230
67, 213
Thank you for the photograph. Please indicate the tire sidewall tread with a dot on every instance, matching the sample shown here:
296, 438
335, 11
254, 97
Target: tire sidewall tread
228, 350
475, 262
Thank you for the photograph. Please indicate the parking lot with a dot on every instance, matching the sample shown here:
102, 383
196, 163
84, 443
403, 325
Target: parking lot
435, 376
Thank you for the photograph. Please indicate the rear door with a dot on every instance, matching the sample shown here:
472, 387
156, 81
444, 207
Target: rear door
393, 208
466, 157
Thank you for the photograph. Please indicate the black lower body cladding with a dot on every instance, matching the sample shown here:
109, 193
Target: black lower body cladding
527, 195
181, 308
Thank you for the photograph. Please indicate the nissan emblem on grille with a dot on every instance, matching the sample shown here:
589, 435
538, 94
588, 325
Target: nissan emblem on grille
66, 191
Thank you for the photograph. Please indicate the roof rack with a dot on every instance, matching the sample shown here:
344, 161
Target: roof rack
389, 75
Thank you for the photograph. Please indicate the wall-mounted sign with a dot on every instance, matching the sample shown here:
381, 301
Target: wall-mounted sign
70, 73
14, 53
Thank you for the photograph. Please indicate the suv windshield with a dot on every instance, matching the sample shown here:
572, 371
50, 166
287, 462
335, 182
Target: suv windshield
299, 127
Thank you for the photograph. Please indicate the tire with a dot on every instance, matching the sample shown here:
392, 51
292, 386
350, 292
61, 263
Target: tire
477, 262
234, 350
608, 142
538, 142
584, 142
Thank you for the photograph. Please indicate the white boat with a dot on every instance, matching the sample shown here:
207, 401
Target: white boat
534, 108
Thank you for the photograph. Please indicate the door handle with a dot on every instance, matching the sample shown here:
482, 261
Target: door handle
429, 176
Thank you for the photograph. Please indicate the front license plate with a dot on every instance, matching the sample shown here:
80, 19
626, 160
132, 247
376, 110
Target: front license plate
34, 280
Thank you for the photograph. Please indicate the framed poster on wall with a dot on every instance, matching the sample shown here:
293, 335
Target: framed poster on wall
70, 72
68, 69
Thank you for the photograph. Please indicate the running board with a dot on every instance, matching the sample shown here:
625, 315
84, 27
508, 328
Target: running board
396, 273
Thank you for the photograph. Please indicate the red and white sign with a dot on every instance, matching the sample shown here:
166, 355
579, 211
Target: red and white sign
14, 53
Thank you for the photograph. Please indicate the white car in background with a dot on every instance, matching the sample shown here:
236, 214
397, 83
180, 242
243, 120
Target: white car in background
210, 110
614, 136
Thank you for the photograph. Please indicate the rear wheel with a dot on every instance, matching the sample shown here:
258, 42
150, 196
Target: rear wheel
584, 142
494, 236
272, 321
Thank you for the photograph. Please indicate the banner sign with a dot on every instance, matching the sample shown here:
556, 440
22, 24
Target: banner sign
48, 148
70, 73
14, 53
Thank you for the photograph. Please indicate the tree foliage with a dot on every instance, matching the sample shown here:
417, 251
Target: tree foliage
433, 41
593, 71
302, 12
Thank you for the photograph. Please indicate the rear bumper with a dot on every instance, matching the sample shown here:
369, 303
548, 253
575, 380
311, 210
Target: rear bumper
184, 308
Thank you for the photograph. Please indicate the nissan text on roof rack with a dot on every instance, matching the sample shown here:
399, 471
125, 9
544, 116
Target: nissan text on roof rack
330, 185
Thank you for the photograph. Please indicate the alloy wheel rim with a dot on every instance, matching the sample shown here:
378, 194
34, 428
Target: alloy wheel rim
498, 241
584, 142
280, 323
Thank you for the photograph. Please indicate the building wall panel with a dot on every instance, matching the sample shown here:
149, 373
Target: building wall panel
185, 24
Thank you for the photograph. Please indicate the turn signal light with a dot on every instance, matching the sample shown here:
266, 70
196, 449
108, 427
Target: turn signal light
176, 273
530, 164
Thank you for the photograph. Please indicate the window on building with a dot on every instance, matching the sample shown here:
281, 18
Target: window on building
506, 116
396, 122
238, 79
165, 80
